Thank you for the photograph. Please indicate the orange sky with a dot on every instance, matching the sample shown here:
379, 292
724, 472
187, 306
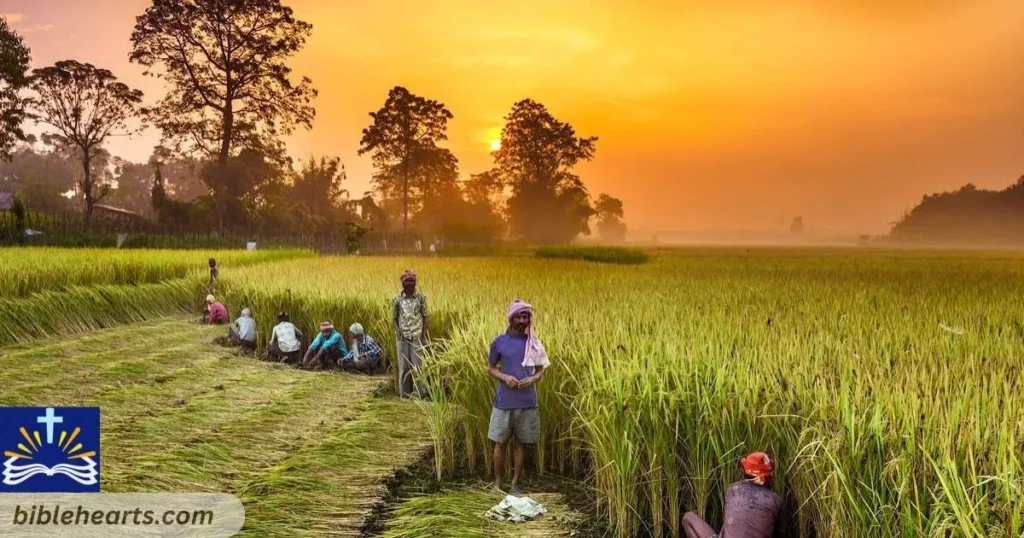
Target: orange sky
711, 114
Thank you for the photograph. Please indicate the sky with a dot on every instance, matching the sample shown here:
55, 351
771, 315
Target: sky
711, 115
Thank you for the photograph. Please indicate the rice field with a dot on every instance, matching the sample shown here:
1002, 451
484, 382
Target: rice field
887, 384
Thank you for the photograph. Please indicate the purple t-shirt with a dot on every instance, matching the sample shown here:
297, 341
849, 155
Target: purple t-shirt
508, 350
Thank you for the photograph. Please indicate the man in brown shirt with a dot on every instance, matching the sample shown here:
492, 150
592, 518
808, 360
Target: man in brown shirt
752, 508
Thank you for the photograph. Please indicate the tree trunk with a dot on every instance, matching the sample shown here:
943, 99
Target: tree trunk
222, 159
87, 189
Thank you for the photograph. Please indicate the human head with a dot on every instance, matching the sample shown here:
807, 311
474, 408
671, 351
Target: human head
210, 299
357, 331
327, 327
282, 317
520, 315
757, 467
246, 313
409, 281
213, 262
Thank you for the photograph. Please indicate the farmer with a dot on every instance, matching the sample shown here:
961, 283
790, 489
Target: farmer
216, 312
243, 332
326, 349
752, 508
365, 354
409, 314
284, 341
214, 273
523, 361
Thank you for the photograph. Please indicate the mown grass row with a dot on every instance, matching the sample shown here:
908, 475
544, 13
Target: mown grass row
24, 271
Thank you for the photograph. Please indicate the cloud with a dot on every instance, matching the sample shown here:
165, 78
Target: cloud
36, 28
13, 17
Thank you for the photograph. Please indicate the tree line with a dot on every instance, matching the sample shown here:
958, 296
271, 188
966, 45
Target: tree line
230, 99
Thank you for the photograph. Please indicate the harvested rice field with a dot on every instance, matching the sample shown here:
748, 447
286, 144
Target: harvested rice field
887, 384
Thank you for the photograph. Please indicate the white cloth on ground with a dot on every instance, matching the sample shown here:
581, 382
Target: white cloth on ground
516, 510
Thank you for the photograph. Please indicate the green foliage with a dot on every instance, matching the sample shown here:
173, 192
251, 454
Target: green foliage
14, 61
609, 218
619, 255
967, 216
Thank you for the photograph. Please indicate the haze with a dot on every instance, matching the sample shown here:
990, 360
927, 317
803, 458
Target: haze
720, 115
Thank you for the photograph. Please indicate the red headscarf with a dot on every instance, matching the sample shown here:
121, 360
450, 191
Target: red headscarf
758, 466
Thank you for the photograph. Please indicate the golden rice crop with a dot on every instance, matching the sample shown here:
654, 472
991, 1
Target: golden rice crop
888, 386
24, 271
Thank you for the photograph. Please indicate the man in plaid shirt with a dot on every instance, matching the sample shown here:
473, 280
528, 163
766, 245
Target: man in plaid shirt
365, 355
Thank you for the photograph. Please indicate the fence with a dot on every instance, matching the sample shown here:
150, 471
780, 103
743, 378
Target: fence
68, 229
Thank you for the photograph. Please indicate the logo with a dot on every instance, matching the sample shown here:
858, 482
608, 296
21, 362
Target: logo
50, 449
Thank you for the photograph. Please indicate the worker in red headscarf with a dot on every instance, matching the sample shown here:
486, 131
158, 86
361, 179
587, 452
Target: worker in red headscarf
752, 508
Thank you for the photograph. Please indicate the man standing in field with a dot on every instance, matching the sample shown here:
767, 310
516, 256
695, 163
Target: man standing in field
523, 360
285, 339
409, 314
752, 508
214, 274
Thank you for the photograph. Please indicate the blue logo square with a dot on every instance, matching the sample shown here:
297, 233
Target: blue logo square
50, 449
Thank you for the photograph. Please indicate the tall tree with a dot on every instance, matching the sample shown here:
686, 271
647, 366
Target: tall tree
85, 104
549, 204
229, 84
14, 60
402, 141
40, 175
609, 218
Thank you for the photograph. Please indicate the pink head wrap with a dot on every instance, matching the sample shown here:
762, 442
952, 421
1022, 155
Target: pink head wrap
535, 354
408, 275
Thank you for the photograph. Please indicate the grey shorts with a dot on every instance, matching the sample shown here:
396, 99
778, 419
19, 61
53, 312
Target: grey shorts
523, 423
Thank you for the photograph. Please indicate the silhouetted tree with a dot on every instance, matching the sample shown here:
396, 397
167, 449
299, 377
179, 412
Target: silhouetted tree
402, 141
85, 104
317, 193
14, 60
549, 204
229, 85
609, 218
797, 227
968, 215
40, 174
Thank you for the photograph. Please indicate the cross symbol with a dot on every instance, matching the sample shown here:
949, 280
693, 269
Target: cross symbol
49, 420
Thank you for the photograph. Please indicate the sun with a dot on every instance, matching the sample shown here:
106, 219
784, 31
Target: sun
495, 144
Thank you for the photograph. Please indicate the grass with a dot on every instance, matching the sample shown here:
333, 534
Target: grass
28, 270
308, 454
617, 255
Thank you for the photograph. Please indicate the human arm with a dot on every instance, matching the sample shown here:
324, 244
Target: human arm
372, 351
335, 340
394, 314
493, 371
529, 381
273, 337
426, 317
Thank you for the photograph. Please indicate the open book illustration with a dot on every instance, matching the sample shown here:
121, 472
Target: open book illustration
15, 474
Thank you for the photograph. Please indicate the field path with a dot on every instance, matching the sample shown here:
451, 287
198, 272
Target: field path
309, 454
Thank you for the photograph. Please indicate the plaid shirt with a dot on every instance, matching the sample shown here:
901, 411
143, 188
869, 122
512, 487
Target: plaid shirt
368, 350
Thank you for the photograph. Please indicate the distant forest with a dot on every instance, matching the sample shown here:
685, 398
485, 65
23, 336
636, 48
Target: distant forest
966, 216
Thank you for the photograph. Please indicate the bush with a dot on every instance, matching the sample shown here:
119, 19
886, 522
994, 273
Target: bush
619, 255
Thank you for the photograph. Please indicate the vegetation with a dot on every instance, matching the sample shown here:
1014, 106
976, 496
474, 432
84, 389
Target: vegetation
14, 60
308, 455
620, 255
968, 216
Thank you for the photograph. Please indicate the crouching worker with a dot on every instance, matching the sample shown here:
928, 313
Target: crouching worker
523, 362
365, 355
216, 312
752, 508
326, 349
285, 341
243, 332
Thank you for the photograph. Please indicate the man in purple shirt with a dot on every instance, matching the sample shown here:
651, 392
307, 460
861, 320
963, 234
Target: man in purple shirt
515, 412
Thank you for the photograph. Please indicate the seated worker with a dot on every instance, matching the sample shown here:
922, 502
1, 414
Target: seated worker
752, 508
285, 341
216, 312
243, 332
365, 354
326, 349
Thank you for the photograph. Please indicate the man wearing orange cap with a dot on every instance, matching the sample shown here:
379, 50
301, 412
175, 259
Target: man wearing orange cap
752, 508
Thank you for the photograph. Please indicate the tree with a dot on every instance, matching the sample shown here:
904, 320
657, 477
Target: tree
609, 214
85, 104
229, 85
549, 204
40, 175
797, 226
403, 143
134, 186
14, 60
